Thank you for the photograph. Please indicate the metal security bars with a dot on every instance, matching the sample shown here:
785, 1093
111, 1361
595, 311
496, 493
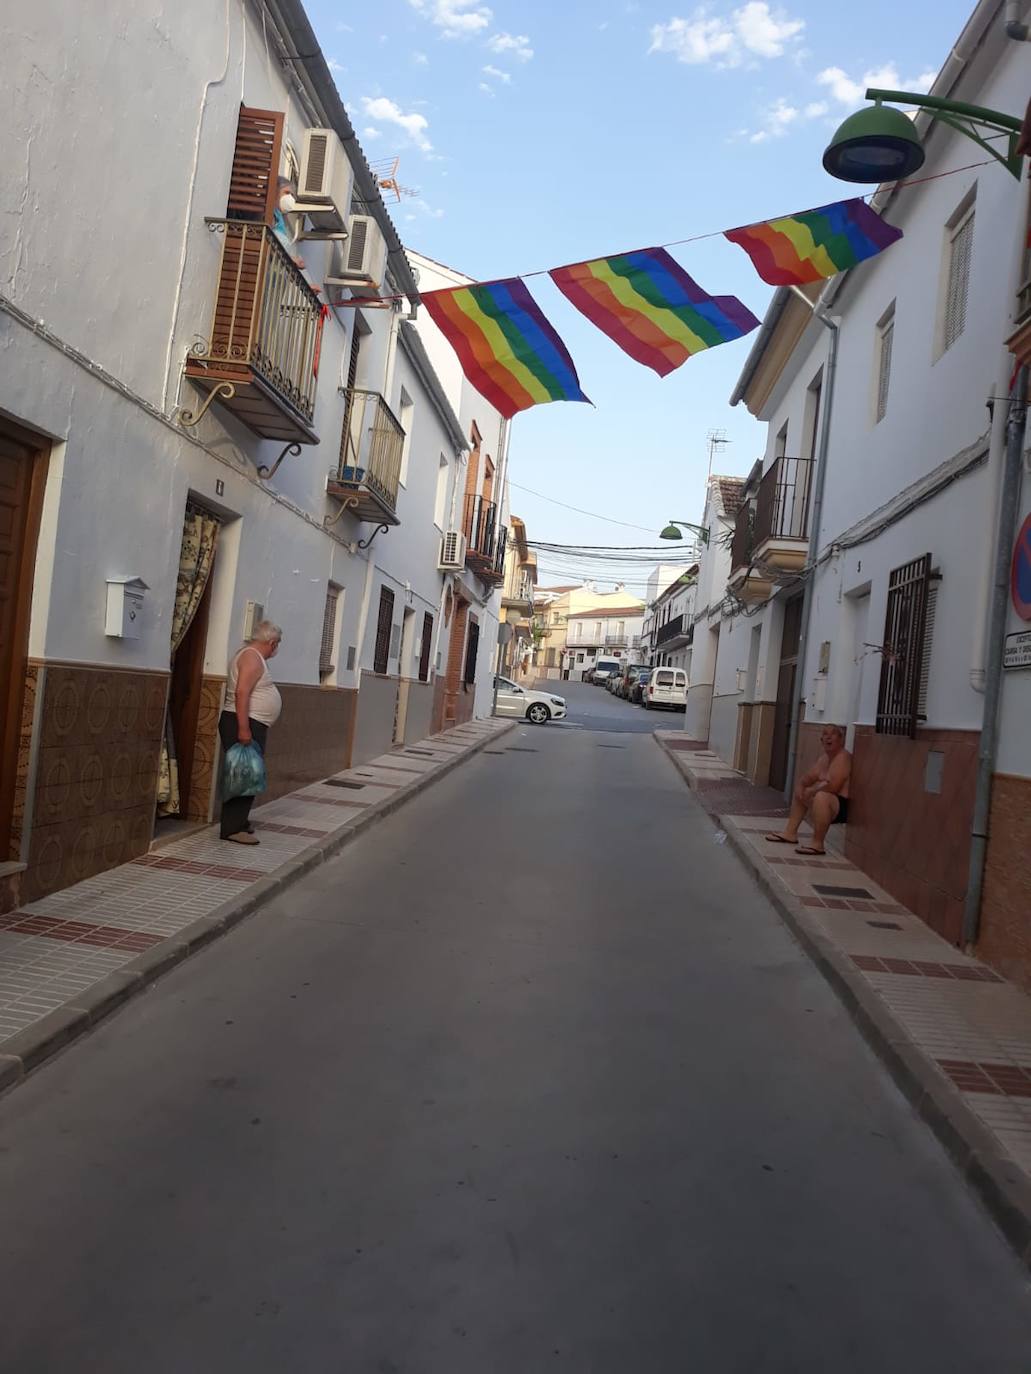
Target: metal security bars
782, 505
902, 654
371, 444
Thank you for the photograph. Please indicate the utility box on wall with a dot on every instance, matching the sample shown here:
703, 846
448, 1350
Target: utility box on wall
125, 607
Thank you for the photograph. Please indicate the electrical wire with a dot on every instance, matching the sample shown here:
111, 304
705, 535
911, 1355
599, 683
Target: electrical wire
593, 514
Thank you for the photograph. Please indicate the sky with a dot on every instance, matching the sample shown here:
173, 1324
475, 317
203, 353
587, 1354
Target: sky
546, 132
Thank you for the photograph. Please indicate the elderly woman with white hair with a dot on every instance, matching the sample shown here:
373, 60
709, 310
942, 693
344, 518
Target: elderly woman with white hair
252, 705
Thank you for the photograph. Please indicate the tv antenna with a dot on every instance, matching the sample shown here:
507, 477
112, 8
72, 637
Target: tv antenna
385, 172
717, 440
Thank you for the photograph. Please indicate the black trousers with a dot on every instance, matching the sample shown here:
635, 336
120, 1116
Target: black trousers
236, 810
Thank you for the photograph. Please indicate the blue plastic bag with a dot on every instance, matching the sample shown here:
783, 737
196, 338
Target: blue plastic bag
243, 772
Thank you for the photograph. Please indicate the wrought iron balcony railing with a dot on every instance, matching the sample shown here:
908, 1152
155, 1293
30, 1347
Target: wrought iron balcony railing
485, 539
670, 630
261, 355
782, 507
372, 443
742, 542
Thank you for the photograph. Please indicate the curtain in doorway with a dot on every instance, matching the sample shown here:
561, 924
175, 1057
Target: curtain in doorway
200, 531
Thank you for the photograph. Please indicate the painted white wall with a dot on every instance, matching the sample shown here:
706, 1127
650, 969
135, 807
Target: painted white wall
101, 218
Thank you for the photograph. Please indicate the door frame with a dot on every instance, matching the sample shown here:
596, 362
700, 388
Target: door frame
787, 691
10, 724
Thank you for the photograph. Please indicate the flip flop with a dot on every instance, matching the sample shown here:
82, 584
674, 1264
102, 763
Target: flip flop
778, 839
805, 849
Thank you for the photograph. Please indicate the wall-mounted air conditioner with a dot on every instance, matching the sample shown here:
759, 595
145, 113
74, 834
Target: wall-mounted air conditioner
362, 260
326, 182
452, 550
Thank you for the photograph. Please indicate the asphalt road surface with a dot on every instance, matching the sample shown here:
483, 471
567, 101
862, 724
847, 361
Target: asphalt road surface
531, 1078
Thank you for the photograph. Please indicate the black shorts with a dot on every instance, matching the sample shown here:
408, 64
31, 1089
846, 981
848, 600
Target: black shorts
842, 815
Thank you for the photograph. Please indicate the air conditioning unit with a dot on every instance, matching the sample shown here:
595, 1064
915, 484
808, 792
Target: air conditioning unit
452, 550
362, 260
326, 182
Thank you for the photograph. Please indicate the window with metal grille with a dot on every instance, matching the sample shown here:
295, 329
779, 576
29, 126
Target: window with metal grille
426, 647
329, 625
471, 649
898, 699
381, 657
961, 240
885, 339
925, 657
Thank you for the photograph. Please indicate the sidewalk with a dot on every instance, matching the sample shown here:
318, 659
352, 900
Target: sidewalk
955, 1035
71, 958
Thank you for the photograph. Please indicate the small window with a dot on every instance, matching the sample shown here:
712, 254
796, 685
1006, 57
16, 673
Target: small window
381, 657
885, 339
440, 500
902, 654
960, 245
407, 414
327, 648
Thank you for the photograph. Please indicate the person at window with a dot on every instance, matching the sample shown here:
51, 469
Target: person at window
252, 707
821, 794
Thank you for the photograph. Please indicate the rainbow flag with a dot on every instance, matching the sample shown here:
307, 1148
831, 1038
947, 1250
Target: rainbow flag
507, 349
815, 244
648, 305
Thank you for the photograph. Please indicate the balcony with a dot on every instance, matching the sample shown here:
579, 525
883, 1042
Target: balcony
1019, 343
782, 514
485, 540
264, 339
371, 444
675, 634
625, 641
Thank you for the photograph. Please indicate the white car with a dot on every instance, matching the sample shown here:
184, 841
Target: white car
536, 707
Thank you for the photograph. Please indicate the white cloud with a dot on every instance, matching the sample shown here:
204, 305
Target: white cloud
753, 30
497, 74
370, 133
335, 66
487, 90
387, 112
455, 18
780, 117
815, 109
850, 92
516, 44
420, 59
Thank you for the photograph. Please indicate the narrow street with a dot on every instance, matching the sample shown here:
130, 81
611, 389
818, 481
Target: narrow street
579, 1104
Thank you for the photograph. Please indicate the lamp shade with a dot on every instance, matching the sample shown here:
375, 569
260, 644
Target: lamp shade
671, 532
875, 144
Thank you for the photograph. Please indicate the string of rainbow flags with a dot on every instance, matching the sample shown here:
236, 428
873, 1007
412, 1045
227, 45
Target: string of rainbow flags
643, 301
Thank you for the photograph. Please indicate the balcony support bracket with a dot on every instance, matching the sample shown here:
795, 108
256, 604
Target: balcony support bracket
265, 472
348, 503
380, 529
224, 391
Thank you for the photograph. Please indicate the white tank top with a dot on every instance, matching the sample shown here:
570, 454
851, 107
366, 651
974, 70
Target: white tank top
265, 703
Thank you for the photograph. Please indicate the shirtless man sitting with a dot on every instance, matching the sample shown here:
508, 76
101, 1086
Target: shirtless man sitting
821, 794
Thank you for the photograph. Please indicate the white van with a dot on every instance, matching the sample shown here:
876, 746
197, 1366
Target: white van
667, 687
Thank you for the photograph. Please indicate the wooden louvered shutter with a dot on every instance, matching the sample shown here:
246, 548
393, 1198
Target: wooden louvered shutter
253, 181
381, 656
427, 647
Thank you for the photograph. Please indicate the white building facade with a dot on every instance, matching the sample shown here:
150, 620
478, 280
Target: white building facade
203, 422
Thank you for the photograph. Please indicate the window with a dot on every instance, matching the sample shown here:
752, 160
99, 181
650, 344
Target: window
327, 648
578, 632
440, 500
960, 244
407, 413
381, 657
471, 649
426, 647
902, 655
885, 338
620, 628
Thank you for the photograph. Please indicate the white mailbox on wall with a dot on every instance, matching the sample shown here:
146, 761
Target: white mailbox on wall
125, 607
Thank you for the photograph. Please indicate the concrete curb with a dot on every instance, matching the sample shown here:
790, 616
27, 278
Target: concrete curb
38, 1043
1001, 1184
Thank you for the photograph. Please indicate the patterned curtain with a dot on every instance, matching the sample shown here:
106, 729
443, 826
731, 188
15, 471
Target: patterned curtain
200, 531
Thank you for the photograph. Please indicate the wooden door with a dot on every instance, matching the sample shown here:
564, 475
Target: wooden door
786, 679
22, 464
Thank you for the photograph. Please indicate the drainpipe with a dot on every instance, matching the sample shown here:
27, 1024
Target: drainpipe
1014, 27
814, 541
996, 468
1008, 502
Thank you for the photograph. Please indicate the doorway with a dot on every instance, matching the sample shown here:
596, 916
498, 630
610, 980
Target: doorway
786, 679
404, 677
23, 459
188, 641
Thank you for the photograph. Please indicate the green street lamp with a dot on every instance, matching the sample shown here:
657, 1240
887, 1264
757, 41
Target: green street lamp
880, 144
671, 531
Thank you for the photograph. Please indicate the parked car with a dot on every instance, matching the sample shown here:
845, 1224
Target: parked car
603, 670
536, 707
667, 687
627, 678
639, 684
